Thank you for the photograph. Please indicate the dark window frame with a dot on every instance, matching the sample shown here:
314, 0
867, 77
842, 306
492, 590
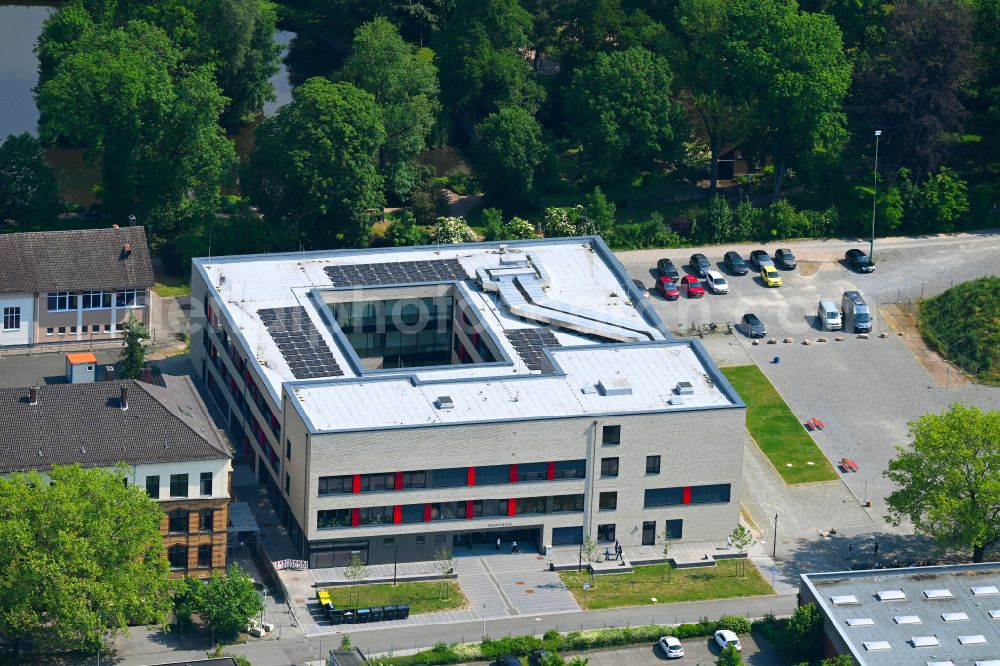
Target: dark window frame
607, 501
151, 483
205, 556
179, 486
611, 435
652, 464
205, 477
606, 532
609, 467
176, 553
179, 521
206, 520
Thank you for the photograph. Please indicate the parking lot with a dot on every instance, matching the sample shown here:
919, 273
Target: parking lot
865, 391
696, 651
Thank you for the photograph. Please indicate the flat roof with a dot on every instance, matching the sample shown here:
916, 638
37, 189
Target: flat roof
572, 291
914, 615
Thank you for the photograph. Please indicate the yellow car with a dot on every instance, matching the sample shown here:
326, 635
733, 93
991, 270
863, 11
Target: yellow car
770, 276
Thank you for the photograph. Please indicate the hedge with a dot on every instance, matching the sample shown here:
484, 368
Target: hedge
577, 641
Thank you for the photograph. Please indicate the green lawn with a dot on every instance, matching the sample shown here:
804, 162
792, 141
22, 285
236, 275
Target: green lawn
423, 597
171, 290
777, 431
637, 588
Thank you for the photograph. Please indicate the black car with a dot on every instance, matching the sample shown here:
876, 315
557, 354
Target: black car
537, 656
734, 262
699, 264
760, 258
641, 286
507, 660
667, 269
784, 258
755, 327
859, 260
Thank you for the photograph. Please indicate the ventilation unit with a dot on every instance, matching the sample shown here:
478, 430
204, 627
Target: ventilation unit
618, 386
444, 402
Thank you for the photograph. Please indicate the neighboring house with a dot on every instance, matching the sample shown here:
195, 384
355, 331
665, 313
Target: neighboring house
397, 401
72, 287
161, 431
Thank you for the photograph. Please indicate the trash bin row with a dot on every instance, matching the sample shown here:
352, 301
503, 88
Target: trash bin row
365, 615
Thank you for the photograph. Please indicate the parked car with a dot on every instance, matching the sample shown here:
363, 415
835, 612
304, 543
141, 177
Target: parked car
507, 660
667, 269
725, 638
735, 263
537, 656
829, 316
760, 258
861, 262
692, 287
754, 326
715, 283
671, 647
770, 276
699, 264
784, 258
667, 288
641, 286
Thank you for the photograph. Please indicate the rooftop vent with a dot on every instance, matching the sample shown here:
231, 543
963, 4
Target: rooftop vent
123, 400
33, 395
676, 400
924, 641
874, 646
444, 402
891, 595
938, 594
618, 386
907, 619
860, 622
940, 663
995, 614
985, 590
684, 388
975, 639
843, 599
954, 617
987, 662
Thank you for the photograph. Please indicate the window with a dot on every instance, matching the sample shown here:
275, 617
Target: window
533, 471
72, 329
611, 435
83, 329
333, 518
567, 503
675, 529
120, 327
389, 542
50, 331
663, 497
421, 540
62, 330
205, 556
412, 513
95, 300
414, 479
288, 449
529, 505
153, 486
713, 494
206, 520
652, 464
61, 301
570, 469
609, 467
377, 482
331, 485
607, 501
376, 515
12, 319
488, 508
710, 494
606, 532
288, 483
448, 511
449, 477
130, 298
107, 328
177, 555
178, 485
489, 475
177, 521
206, 484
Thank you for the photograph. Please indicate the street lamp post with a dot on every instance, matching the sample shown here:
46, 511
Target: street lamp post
774, 544
871, 248
395, 557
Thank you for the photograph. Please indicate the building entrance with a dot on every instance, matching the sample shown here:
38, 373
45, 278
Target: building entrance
484, 542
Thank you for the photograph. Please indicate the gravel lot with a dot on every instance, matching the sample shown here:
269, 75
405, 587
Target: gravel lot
864, 390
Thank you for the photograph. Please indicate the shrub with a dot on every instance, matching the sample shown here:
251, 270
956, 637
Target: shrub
559, 222
803, 633
453, 230
735, 623
680, 225
520, 646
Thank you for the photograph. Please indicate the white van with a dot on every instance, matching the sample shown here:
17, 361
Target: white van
829, 316
716, 283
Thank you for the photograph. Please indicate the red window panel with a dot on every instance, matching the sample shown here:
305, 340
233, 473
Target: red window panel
513, 474
468, 509
512, 507
427, 513
355, 517
687, 495
472, 477
399, 482
551, 471
356, 487
397, 514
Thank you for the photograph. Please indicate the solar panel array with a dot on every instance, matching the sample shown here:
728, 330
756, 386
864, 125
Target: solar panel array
396, 272
305, 351
529, 343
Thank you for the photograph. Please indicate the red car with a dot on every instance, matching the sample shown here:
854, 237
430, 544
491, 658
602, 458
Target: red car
692, 286
667, 288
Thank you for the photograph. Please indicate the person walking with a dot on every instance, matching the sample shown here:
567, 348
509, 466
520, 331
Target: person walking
618, 552
514, 548
850, 549
875, 552
729, 543
607, 555
498, 544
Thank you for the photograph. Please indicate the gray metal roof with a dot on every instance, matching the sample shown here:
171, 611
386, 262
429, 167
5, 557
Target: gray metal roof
919, 615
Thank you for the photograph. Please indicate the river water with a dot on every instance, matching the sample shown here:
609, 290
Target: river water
20, 25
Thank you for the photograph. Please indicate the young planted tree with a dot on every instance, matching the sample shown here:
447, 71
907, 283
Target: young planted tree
357, 572
588, 550
444, 562
132, 359
743, 540
948, 479
666, 554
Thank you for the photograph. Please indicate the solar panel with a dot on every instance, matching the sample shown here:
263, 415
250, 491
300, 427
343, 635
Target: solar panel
530, 343
305, 351
397, 272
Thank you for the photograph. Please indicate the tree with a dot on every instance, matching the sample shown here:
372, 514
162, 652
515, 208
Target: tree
28, 192
229, 602
743, 540
620, 110
493, 227
511, 153
132, 359
715, 224
803, 634
313, 167
730, 656
150, 122
405, 87
917, 82
666, 554
345, 642
444, 562
357, 572
598, 215
425, 15
588, 550
79, 557
403, 230
948, 483
793, 65
188, 595
938, 205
